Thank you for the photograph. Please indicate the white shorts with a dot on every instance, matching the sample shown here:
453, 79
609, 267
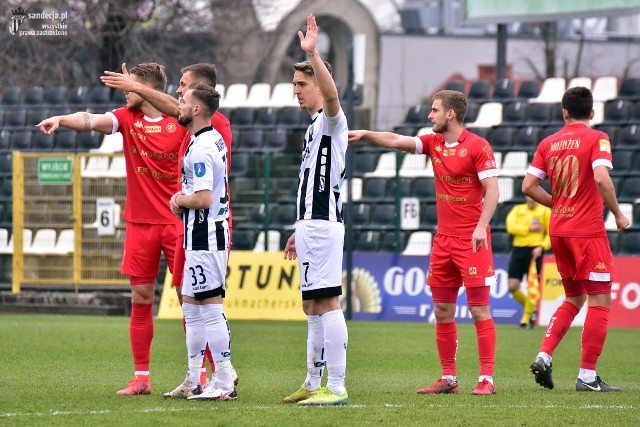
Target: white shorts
204, 274
319, 245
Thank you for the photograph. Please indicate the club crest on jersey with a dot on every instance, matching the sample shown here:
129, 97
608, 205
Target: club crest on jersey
171, 127
462, 152
199, 169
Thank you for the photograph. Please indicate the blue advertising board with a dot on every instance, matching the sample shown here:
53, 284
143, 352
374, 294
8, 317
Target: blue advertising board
393, 287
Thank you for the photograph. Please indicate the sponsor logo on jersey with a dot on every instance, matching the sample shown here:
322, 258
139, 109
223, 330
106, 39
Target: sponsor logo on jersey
138, 124
605, 145
600, 266
199, 169
153, 129
436, 160
171, 127
490, 164
473, 271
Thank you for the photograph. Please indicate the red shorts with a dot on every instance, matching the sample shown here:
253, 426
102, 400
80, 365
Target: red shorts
583, 258
476, 296
143, 244
453, 263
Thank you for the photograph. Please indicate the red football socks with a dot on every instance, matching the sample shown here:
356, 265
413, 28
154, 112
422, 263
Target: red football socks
447, 343
594, 334
141, 335
486, 335
558, 326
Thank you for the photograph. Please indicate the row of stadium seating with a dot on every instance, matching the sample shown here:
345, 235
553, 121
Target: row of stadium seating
48, 242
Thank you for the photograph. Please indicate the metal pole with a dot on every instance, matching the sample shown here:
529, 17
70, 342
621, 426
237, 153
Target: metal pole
501, 60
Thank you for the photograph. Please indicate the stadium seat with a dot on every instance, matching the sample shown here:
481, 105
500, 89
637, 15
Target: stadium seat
611, 131
503, 91
235, 96
417, 115
556, 114
273, 241
538, 114
629, 89
242, 117
416, 165
502, 137
549, 130
243, 240
356, 190
389, 242
364, 162
514, 113
117, 168
284, 217
472, 112
65, 244
275, 140
514, 163
629, 243
12, 95
617, 111
528, 137
623, 162
424, 189
383, 216
500, 215
293, 117
42, 142
88, 140
500, 242
361, 215
598, 113
428, 216
259, 95
358, 95
635, 113
479, 91
20, 140
77, 96
418, 243
374, 189
249, 139
490, 115
56, 95
6, 163
266, 117
405, 130
283, 96
4, 140
629, 137
96, 167
552, 90
44, 240
118, 99
528, 89
15, 118
368, 241
33, 97
65, 140
386, 167
4, 239
613, 237
99, 96
579, 81
26, 240
629, 189
111, 143
35, 116
426, 130
6, 189
605, 89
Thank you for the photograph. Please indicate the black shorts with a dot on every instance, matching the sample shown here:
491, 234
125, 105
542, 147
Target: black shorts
520, 261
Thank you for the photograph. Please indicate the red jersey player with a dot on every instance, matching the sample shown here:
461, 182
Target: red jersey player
577, 160
466, 197
195, 73
151, 148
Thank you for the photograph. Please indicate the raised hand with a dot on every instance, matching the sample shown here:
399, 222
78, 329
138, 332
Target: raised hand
308, 41
121, 81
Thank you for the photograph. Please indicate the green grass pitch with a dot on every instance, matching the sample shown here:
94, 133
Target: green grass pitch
65, 370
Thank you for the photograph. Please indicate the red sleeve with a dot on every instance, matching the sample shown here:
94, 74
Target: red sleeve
221, 123
484, 157
123, 115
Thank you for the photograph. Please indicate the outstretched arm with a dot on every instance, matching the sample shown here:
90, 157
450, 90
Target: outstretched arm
385, 139
331, 104
161, 101
77, 121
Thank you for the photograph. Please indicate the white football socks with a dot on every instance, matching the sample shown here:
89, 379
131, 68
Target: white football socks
315, 352
335, 349
196, 339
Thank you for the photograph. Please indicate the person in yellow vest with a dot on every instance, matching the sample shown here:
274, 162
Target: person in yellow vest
528, 223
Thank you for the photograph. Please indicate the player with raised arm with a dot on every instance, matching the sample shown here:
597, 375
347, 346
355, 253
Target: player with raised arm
151, 149
577, 160
319, 236
466, 183
195, 73
203, 204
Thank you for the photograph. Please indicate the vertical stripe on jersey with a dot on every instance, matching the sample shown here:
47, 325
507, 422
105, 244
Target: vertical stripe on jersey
220, 236
322, 180
185, 226
303, 194
200, 233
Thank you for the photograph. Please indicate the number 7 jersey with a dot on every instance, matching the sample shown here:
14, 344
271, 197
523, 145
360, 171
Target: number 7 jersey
568, 158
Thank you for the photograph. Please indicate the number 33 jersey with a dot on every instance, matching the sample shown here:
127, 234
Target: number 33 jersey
205, 168
568, 158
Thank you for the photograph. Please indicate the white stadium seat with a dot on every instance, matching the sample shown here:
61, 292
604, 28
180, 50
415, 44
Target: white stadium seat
235, 96
605, 89
259, 95
552, 90
419, 243
273, 242
283, 96
489, 115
